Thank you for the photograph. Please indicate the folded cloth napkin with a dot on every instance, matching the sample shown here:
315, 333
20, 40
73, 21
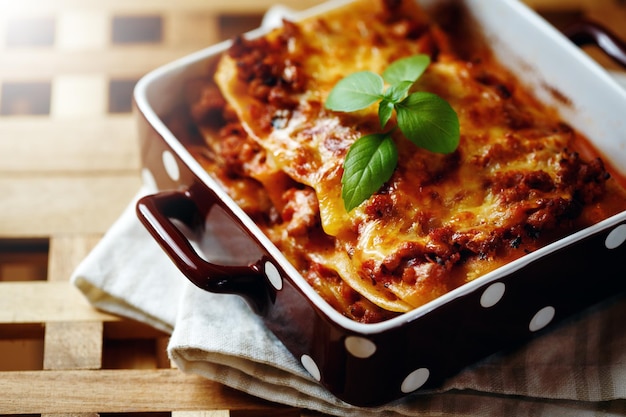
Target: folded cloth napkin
578, 369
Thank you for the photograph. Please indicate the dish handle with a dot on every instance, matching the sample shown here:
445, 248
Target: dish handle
587, 32
158, 213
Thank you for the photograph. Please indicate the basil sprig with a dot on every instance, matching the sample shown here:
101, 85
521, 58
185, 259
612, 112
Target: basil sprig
424, 118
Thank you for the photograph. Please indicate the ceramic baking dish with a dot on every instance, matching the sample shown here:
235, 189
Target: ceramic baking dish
370, 364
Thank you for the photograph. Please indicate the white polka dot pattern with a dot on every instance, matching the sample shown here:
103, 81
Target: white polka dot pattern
311, 367
273, 276
415, 380
541, 319
492, 295
616, 238
360, 347
170, 165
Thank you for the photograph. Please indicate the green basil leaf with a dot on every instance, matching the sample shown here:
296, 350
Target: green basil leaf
397, 92
369, 163
355, 92
429, 121
385, 110
406, 69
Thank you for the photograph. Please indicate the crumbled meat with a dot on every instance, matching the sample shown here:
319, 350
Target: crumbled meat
237, 149
267, 68
379, 206
301, 211
586, 179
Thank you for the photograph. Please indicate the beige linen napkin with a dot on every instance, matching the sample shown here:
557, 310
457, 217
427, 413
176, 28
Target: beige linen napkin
578, 369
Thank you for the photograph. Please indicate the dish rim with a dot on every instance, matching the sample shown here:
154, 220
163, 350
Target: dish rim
179, 67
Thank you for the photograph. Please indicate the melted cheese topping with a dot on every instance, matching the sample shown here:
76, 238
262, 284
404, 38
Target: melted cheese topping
305, 140
513, 184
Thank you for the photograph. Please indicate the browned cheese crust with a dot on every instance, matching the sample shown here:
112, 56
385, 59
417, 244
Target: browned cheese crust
516, 182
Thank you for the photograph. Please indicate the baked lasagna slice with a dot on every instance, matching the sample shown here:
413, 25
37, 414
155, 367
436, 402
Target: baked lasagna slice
514, 183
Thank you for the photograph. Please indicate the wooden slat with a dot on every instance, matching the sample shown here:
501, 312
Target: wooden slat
190, 29
73, 345
216, 413
66, 252
277, 412
51, 204
81, 30
96, 144
113, 391
124, 61
71, 415
31, 7
45, 302
141, 6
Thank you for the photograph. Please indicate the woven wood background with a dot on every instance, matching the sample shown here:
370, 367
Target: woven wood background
69, 164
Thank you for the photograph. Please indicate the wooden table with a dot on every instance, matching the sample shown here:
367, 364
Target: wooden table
69, 165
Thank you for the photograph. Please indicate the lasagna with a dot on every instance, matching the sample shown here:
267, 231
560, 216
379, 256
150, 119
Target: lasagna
519, 179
